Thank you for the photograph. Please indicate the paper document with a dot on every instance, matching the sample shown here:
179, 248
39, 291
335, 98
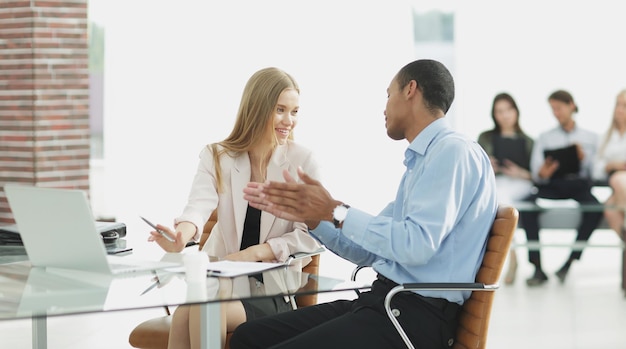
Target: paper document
234, 268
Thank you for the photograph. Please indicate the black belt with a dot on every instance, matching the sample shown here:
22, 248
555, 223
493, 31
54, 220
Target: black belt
439, 303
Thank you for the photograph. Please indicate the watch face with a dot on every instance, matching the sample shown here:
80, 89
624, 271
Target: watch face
340, 213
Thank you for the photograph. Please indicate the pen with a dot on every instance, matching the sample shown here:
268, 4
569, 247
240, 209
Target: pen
164, 234
155, 284
211, 272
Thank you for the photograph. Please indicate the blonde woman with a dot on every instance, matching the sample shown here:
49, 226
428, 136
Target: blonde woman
610, 165
259, 148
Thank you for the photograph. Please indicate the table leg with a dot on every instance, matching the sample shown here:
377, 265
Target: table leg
624, 269
210, 326
40, 332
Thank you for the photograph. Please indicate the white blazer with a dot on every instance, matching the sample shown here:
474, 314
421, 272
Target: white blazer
284, 237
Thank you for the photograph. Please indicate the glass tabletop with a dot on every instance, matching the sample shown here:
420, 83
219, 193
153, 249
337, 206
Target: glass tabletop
27, 291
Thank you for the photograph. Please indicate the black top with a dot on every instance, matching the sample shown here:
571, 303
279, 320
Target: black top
251, 228
252, 232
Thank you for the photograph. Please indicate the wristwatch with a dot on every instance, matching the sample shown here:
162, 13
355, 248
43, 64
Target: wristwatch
339, 214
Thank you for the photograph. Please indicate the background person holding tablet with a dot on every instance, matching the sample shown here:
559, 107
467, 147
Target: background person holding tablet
554, 184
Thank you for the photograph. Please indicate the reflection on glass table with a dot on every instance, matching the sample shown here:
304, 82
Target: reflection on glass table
38, 293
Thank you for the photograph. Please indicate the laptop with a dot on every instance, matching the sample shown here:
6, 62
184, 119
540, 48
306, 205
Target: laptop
58, 230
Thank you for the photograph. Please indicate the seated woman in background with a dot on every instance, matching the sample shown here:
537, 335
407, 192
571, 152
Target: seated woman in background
509, 149
610, 164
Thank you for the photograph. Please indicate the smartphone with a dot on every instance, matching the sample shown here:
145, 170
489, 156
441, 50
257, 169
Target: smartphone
163, 234
118, 250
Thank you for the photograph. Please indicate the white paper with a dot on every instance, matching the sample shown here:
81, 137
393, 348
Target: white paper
235, 268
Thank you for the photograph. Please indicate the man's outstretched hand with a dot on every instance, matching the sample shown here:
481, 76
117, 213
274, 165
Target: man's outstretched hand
307, 202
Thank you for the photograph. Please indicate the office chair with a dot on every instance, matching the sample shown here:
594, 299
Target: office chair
473, 320
154, 333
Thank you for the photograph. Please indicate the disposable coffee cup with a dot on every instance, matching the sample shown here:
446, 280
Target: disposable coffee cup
196, 264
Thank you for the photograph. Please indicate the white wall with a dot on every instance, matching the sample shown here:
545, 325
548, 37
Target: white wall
532, 48
174, 77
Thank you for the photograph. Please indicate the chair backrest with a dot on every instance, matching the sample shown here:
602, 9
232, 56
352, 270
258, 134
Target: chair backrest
476, 311
208, 226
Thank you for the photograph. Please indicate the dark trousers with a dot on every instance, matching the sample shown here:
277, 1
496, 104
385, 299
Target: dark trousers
576, 189
360, 323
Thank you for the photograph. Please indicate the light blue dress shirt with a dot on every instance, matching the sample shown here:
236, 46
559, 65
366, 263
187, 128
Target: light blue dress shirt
437, 227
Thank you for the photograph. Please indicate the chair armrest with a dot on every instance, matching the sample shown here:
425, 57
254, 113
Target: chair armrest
309, 299
429, 286
447, 286
299, 255
356, 271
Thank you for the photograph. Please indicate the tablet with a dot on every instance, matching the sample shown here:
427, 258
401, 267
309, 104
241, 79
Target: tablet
569, 163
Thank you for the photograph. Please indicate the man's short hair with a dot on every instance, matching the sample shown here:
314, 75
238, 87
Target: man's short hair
563, 96
433, 79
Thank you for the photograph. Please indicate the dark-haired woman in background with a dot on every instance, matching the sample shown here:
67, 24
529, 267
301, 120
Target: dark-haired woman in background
509, 149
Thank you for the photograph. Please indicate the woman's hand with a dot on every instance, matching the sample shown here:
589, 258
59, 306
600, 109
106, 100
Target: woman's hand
495, 165
176, 246
615, 166
512, 170
256, 253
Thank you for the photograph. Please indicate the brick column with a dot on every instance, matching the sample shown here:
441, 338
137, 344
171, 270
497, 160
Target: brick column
44, 95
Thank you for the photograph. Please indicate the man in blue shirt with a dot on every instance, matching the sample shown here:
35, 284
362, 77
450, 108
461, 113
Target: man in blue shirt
434, 231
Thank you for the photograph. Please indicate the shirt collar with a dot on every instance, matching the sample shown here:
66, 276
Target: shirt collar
424, 138
574, 129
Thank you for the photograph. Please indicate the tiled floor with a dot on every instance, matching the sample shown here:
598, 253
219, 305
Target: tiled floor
588, 311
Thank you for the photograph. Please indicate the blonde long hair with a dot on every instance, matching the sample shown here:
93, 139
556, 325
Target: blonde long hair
254, 124
612, 126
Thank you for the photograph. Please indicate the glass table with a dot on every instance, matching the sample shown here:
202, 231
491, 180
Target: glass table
38, 293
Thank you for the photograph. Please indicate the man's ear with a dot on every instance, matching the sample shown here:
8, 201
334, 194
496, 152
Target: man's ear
411, 88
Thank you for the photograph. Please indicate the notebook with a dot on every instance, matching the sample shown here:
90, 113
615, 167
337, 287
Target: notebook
58, 230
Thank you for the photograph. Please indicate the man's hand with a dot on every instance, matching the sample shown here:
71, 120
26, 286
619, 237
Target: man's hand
580, 152
307, 202
548, 168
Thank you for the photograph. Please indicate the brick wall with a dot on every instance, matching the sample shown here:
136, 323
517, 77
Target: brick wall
44, 95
